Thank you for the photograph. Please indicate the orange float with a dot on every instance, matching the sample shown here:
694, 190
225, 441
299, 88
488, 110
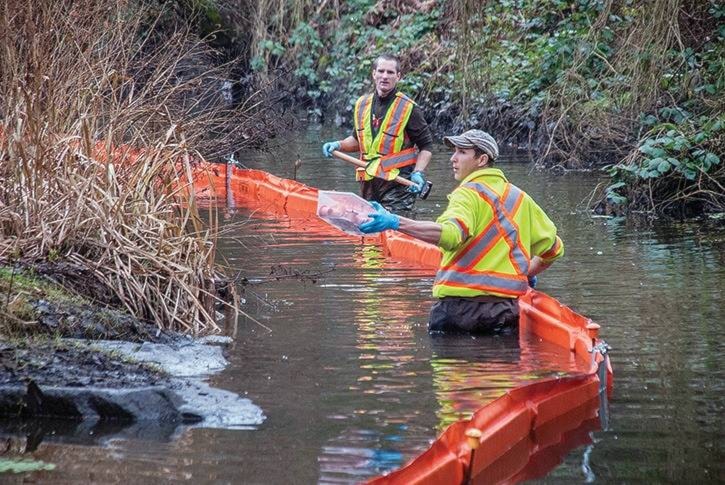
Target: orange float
513, 438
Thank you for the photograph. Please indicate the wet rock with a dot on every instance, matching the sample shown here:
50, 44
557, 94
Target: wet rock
153, 403
77, 381
189, 362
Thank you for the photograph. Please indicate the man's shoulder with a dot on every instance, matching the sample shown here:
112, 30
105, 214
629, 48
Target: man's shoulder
405, 97
365, 96
492, 179
464, 191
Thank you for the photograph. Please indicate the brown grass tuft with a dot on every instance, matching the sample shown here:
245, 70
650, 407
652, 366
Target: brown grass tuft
99, 115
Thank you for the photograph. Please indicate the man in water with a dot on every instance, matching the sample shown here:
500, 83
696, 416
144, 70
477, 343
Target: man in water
392, 136
494, 240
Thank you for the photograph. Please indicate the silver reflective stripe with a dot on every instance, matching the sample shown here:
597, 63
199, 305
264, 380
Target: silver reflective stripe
463, 230
475, 251
394, 121
508, 225
387, 163
480, 280
511, 199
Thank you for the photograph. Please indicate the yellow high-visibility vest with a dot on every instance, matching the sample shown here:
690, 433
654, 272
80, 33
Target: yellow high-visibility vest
494, 258
384, 152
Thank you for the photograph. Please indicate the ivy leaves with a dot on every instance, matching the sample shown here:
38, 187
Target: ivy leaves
681, 148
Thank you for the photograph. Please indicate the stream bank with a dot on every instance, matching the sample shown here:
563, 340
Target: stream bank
74, 369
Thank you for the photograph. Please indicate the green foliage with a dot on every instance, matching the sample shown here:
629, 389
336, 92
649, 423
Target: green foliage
267, 49
677, 146
679, 154
572, 74
528, 47
334, 65
22, 465
306, 40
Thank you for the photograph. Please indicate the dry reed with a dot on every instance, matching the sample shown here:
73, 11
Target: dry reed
100, 115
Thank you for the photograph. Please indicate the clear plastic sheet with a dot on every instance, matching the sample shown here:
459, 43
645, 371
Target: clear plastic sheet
344, 210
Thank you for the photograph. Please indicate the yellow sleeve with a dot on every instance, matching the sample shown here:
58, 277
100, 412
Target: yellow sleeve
545, 243
460, 218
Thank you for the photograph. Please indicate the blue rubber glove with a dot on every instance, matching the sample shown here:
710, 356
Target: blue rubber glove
381, 220
330, 147
418, 178
532, 281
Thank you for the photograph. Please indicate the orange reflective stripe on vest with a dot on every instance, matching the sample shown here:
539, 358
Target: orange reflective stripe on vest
505, 211
462, 271
399, 159
384, 151
461, 227
393, 128
362, 113
554, 249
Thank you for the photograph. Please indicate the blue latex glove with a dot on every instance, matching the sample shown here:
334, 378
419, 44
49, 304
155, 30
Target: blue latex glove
381, 220
330, 147
419, 180
532, 281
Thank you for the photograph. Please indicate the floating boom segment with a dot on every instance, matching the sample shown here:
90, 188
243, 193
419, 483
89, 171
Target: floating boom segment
521, 418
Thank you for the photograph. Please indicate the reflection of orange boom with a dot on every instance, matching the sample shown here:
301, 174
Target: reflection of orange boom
359, 163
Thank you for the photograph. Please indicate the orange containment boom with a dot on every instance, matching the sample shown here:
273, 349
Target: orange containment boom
518, 417
507, 439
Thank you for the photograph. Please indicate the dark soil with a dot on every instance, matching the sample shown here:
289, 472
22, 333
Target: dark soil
47, 371
86, 321
94, 315
33, 346
52, 363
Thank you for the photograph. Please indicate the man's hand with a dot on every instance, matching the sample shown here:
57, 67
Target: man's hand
330, 147
418, 178
381, 220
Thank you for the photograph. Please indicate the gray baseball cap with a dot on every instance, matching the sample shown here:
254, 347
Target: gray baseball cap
474, 139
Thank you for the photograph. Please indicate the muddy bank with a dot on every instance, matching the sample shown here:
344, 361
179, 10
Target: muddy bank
86, 390
74, 370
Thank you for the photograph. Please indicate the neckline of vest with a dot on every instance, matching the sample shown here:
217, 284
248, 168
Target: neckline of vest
485, 172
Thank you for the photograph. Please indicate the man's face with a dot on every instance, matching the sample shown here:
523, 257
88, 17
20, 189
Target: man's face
386, 76
464, 162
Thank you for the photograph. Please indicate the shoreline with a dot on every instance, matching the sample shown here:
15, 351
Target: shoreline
78, 369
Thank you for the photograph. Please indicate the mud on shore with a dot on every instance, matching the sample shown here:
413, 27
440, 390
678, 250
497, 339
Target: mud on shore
63, 357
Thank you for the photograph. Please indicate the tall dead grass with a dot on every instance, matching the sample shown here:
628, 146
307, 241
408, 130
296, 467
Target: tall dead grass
100, 114
581, 131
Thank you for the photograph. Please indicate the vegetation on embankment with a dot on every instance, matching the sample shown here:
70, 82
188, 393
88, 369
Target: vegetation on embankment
34, 304
104, 105
581, 84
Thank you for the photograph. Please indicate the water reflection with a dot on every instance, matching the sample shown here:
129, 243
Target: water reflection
468, 373
352, 384
87, 432
394, 387
537, 455
358, 453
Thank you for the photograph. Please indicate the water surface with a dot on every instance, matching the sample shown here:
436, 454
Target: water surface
352, 385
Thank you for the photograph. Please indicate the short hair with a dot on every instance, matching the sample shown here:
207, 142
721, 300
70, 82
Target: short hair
387, 57
478, 152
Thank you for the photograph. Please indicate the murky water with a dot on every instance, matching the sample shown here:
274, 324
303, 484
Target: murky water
352, 385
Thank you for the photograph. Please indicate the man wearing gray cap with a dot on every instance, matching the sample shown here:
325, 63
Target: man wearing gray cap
493, 236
